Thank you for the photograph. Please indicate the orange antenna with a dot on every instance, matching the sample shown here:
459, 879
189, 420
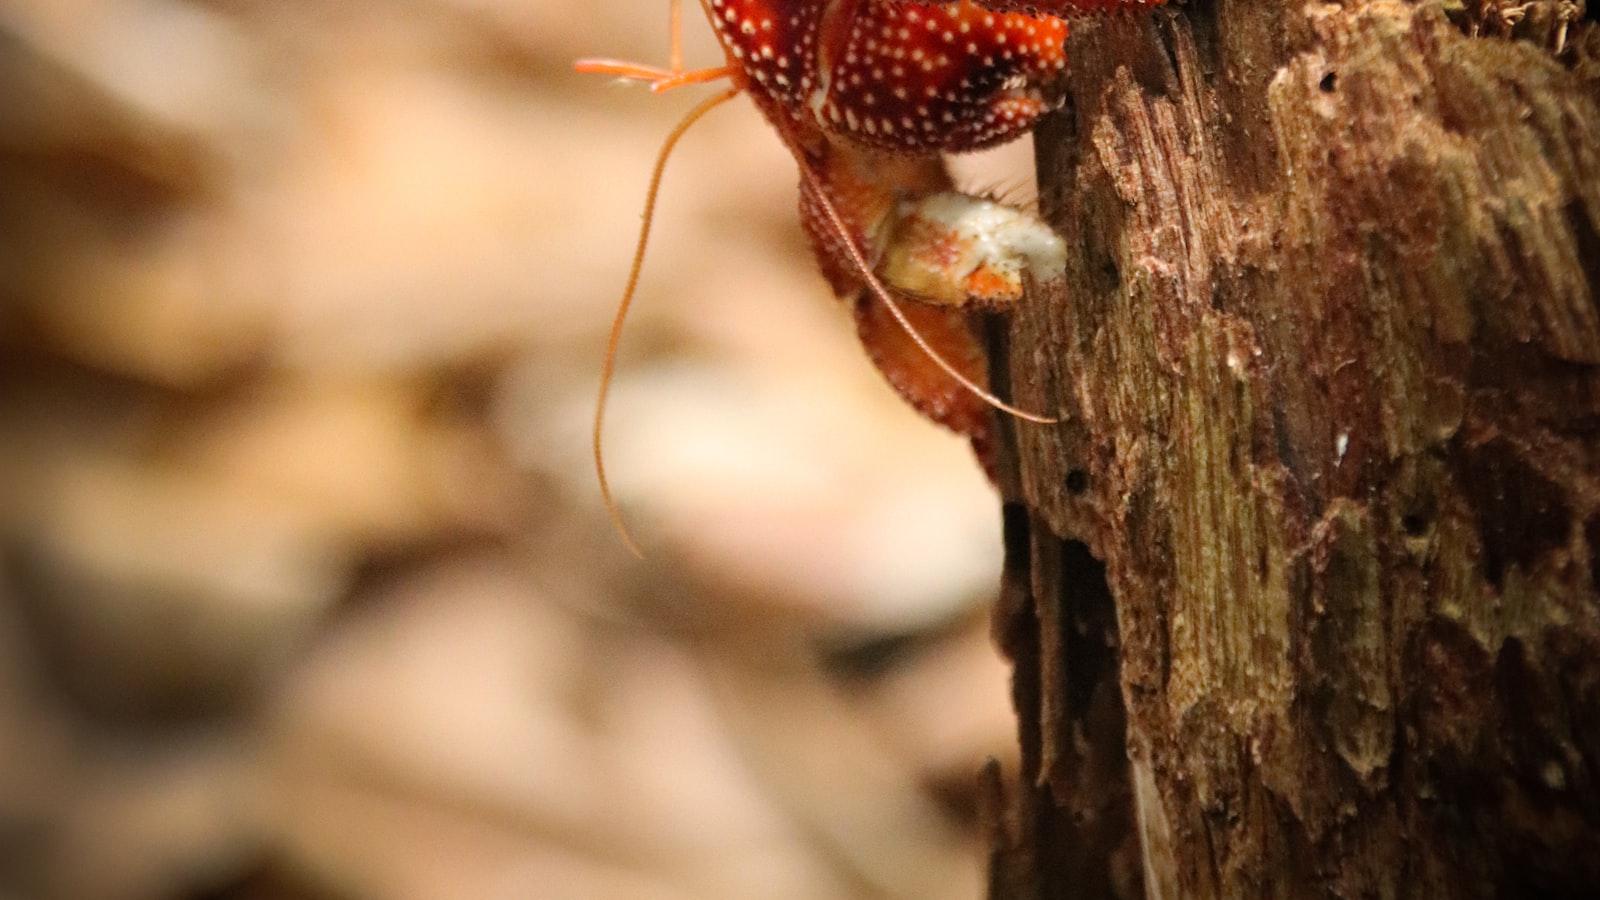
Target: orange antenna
609, 366
660, 80
675, 29
859, 261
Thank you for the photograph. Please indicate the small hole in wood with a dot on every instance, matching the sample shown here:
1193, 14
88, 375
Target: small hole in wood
1415, 524
1329, 83
1110, 272
1077, 482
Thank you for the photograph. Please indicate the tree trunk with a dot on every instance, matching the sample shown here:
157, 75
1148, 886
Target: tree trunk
1304, 594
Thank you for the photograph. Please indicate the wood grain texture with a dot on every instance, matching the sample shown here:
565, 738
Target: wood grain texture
1329, 345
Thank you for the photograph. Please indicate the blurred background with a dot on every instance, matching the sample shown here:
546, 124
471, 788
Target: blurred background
307, 591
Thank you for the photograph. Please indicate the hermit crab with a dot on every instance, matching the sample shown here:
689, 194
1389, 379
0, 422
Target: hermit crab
868, 96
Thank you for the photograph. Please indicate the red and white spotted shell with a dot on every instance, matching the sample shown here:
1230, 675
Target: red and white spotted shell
902, 76
1072, 7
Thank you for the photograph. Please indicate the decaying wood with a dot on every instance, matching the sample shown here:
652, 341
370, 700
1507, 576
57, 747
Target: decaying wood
1324, 521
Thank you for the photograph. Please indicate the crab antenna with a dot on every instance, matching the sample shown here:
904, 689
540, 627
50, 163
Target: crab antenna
609, 367
675, 28
859, 261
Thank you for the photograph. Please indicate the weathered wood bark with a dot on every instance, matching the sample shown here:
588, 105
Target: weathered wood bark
1304, 596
